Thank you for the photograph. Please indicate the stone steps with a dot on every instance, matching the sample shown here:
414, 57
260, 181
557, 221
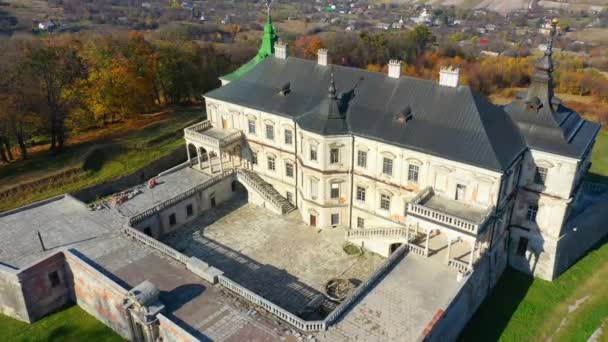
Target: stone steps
266, 190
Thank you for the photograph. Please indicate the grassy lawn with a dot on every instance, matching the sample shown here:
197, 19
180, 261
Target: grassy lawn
71, 324
599, 159
522, 308
121, 155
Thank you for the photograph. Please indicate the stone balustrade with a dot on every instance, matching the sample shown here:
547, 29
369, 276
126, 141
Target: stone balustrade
397, 232
172, 201
460, 266
196, 133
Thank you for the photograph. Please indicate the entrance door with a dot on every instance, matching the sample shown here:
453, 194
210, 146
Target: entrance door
213, 202
313, 221
224, 123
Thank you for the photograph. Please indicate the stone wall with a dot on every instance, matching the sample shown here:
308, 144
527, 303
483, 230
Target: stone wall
447, 325
171, 332
175, 157
12, 302
97, 294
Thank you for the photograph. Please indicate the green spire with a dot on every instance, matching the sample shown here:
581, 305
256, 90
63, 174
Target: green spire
269, 39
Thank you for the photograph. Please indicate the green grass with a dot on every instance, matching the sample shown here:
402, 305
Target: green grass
522, 308
122, 156
599, 159
71, 324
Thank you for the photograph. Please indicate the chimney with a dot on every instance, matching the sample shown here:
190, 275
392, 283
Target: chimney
280, 50
394, 68
322, 56
449, 77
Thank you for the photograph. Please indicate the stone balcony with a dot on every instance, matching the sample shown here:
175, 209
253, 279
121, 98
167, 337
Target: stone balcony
449, 213
205, 134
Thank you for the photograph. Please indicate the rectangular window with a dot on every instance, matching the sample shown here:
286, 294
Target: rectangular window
334, 156
314, 188
271, 165
360, 194
172, 220
385, 202
532, 211
313, 153
54, 279
540, 176
335, 219
412, 173
335, 191
254, 158
251, 125
360, 222
270, 132
387, 166
289, 170
522, 246
288, 137
362, 158
461, 191
189, 210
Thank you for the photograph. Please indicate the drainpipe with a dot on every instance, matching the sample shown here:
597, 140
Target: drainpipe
352, 172
297, 168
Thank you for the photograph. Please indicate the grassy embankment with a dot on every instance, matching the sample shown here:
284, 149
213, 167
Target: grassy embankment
71, 324
122, 149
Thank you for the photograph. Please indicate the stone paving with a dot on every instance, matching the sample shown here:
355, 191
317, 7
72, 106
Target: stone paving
277, 257
400, 306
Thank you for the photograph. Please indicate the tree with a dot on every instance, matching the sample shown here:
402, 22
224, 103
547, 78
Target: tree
307, 46
56, 65
421, 37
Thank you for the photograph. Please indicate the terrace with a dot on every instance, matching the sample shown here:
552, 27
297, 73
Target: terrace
445, 212
276, 257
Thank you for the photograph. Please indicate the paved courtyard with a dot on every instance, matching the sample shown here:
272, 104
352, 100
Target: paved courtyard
277, 257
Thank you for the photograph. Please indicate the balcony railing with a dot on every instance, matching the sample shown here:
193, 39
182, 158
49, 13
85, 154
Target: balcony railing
196, 133
417, 208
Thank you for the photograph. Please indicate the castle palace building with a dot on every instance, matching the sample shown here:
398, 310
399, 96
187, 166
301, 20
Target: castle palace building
373, 152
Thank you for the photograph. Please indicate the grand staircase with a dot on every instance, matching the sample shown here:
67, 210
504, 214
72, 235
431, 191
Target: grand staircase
268, 192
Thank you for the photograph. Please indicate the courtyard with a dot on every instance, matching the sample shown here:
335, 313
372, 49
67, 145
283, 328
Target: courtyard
277, 257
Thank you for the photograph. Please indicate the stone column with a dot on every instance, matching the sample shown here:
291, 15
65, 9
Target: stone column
449, 248
426, 247
471, 257
200, 159
407, 235
188, 152
221, 163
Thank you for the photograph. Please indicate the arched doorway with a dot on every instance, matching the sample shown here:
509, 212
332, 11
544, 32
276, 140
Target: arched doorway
203, 158
393, 247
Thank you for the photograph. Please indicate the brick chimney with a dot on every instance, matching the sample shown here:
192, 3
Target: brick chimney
449, 77
394, 68
322, 56
280, 50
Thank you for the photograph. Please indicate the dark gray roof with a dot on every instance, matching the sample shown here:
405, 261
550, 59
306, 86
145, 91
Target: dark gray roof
560, 130
454, 123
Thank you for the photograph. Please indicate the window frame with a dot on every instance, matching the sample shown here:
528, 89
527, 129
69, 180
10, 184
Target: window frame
522, 246
313, 152
172, 220
385, 198
289, 172
314, 188
54, 279
254, 158
532, 213
360, 222
189, 210
362, 159
413, 173
334, 155
251, 126
361, 194
540, 175
334, 190
269, 132
386, 161
288, 137
271, 161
